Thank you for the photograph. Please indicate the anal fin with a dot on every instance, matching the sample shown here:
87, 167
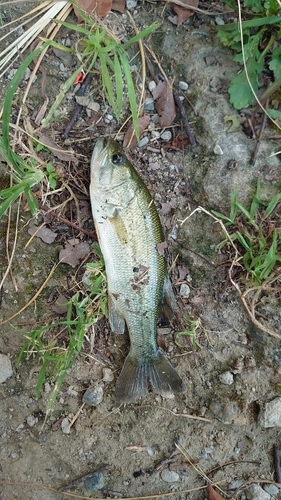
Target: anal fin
116, 320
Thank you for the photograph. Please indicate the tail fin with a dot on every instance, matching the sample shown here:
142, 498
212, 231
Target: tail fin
135, 378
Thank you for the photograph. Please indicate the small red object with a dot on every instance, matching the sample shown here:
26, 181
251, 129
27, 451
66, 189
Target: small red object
80, 77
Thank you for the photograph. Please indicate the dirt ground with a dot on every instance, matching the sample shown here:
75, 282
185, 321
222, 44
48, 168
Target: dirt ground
225, 425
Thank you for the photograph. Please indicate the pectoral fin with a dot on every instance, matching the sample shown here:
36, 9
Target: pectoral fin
119, 228
116, 320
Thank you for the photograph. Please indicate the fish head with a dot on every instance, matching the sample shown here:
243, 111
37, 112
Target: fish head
110, 168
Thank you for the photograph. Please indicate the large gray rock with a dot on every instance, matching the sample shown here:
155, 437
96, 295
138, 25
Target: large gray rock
255, 492
270, 414
6, 369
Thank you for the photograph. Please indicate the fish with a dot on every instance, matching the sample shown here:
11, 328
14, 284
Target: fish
129, 232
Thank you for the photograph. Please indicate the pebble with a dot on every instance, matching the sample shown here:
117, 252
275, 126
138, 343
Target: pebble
95, 482
183, 85
143, 142
131, 4
270, 415
218, 150
152, 85
6, 369
184, 290
108, 375
149, 104
255, 492
271, 489
226, 378
166, 136
31, 420
169, 476
93, 396
65, 426
219, 21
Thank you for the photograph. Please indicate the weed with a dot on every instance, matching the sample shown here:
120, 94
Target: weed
259, 34
59, 344
193, 325
52, 176
257, 232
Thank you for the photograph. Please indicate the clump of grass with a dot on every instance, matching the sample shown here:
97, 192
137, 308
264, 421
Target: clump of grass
257, 234
59, 344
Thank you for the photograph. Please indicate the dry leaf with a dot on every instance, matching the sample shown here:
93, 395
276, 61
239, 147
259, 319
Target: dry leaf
44, 233
60, 306
119, 5
73, 254
100, 7
167, 207
42, 111
165, 104
178, 143
161, 247
143, 123
213, 495
182, 13
57, 151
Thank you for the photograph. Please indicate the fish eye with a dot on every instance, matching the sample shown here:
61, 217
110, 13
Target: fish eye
117, 159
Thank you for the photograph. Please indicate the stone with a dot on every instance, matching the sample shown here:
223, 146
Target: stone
226, 378
169, 476
96, 482
183, 85
93, 396
184, 290
270, 414
149, 104
151, 85
65, 426
6, 369
271, 489
255, 492
131, 4
166, 136
108, 375
218, 150
31, 420
143, 142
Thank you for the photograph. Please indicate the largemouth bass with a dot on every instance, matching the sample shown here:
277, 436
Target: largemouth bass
129, 231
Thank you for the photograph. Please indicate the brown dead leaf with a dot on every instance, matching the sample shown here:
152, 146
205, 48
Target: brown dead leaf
184, 13
44, 234
143, 123
119, 5
213, 495
165, 104
73, 254
57, 150
161, 247
60, 306
100, 7
178, 143
167, 207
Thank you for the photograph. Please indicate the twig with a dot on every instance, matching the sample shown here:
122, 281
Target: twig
68, 222
10, 257
79, 107
264, 119
83, 478
185, 120
277, 465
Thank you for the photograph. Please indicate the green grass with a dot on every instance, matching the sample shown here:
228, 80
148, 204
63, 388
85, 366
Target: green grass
59, 344
258, 235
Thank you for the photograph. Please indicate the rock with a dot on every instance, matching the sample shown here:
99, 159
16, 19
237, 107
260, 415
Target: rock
6, 369
169, 476
31, 420
226, 378
149, 104
96, 482
226, 411
151, 85
143, 142
255, 492
218, 150
219, 21
65, 426
270, 415
108, 375
184, 290
183, 85
271, 489
166, 136
93, 396
131, 4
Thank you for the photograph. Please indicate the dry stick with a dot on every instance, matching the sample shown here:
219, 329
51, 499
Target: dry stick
185, 120
79, 107
84, 477
277, 465
254, 157
10, 257
68, 222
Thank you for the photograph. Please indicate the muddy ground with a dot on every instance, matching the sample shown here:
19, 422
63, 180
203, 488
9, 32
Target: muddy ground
233, 382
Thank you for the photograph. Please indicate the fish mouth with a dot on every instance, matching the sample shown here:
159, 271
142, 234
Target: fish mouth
98, 150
